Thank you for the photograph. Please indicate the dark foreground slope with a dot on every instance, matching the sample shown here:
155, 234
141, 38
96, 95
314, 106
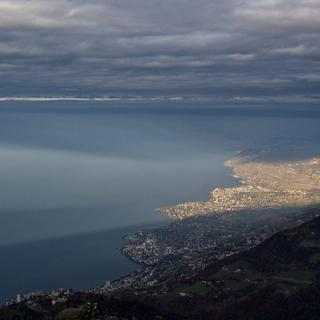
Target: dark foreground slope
279, 279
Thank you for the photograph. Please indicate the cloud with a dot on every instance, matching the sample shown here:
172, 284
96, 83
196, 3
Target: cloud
280, 14
300, 51
102, 47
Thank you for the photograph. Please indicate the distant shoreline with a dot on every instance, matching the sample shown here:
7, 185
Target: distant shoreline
98, 98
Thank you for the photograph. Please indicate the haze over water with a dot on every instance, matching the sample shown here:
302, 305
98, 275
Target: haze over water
76, 176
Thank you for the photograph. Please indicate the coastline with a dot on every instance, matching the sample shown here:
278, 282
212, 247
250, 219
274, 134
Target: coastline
158, 249
144, 248
186, 246
261, 185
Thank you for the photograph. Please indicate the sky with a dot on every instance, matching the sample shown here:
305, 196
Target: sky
235, 50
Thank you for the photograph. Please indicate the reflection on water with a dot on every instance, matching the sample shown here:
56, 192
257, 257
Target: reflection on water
69, 169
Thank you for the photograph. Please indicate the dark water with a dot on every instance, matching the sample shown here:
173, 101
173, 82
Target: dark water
75, 177
81, 261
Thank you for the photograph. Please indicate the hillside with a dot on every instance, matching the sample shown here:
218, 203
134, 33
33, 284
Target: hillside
279, 279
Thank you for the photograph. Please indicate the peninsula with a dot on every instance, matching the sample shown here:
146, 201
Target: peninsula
264, 185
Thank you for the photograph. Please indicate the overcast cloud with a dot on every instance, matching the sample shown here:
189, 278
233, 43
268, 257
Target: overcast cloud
235, 49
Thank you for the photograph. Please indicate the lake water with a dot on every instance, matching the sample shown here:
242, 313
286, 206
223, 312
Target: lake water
76, 176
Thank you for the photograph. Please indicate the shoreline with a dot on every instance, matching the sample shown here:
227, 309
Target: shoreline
148, 253
261, 185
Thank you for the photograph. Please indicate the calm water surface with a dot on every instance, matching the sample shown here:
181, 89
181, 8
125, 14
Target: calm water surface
75, 177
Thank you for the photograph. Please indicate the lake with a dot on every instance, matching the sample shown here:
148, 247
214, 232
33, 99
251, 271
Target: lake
76, 176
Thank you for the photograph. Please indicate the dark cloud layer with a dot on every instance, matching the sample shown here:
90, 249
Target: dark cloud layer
243, 50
